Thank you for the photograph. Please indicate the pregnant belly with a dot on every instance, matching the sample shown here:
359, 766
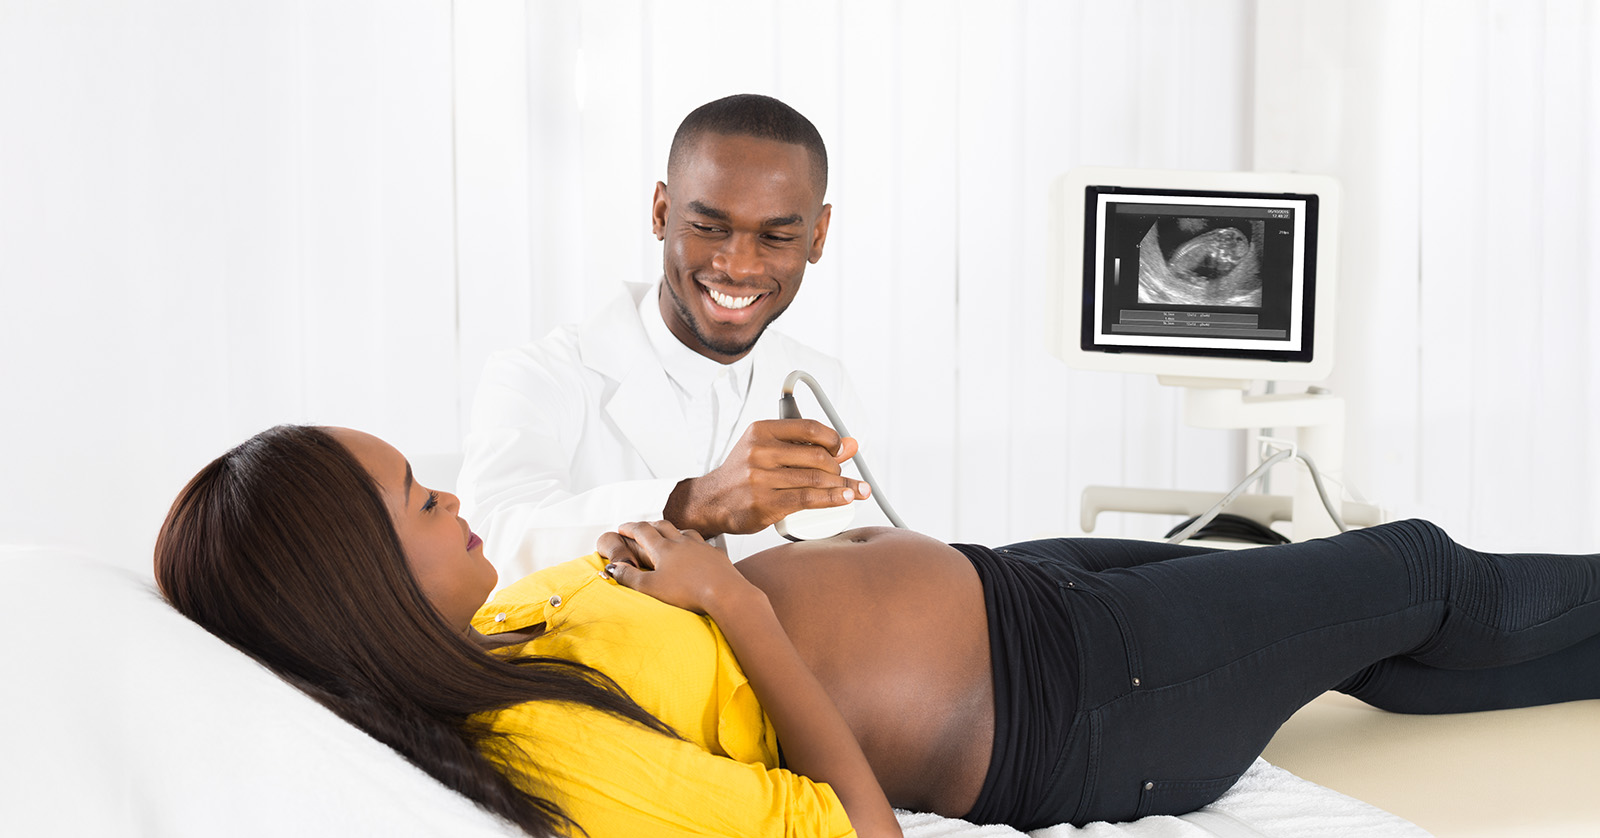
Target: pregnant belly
893, 625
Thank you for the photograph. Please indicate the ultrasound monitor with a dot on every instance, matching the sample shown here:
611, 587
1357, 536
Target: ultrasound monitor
1222, 276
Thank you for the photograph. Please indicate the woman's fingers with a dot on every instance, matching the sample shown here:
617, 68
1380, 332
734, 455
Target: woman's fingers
615, 548
626, 574
653, 532
644, 534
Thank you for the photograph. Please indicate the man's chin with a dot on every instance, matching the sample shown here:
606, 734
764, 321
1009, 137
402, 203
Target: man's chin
731, 348
728, 344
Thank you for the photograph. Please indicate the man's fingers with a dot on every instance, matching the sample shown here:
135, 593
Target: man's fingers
802, 432
825, 498
778, 480
783, 455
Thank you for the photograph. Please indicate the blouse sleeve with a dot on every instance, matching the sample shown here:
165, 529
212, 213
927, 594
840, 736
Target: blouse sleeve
616, 778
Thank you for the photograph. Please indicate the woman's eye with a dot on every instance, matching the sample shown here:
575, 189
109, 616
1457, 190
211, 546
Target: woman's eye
431, 502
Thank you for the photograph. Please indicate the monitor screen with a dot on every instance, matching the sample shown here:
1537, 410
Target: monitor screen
1198, 274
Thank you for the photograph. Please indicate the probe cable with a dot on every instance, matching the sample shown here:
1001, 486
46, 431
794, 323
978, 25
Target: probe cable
787, 409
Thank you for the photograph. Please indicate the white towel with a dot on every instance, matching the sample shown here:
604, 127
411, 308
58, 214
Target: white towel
1267, 802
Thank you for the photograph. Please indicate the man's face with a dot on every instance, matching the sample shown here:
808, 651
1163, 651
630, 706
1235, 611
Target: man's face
740, 219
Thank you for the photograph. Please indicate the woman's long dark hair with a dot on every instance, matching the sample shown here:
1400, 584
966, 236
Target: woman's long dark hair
284, 548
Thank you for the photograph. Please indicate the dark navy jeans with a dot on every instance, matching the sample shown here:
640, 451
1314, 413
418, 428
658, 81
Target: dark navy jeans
1186, 661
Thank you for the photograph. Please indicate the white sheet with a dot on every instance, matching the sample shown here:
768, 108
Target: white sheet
120, 717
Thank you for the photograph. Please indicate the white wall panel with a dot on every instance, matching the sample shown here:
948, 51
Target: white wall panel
505, 278
214, 218
1465, 137
552, 117
1508, 281
1585, 176
1452, 178
989, 265
615, 201
1569, 214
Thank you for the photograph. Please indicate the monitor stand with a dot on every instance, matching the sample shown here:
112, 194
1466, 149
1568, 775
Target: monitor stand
1317, 420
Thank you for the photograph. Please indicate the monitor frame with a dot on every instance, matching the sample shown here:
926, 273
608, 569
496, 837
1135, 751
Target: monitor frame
1077, 339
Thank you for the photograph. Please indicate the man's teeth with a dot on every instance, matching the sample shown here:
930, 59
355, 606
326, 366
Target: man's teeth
731, 302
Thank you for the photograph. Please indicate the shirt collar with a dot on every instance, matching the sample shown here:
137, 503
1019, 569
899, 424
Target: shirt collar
689, 370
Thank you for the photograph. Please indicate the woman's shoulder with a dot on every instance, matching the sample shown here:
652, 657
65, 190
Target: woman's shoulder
529, 600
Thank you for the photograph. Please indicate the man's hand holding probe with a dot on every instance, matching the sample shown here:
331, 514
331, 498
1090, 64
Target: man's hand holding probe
779, 466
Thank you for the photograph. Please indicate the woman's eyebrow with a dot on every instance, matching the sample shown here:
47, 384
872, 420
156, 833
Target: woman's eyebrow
408, 483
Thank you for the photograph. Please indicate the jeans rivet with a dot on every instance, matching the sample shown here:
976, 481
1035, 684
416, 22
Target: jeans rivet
1136, 682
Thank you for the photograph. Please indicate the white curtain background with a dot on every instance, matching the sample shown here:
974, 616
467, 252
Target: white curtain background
214, 218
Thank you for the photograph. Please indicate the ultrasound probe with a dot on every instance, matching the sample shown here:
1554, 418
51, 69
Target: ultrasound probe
839, 515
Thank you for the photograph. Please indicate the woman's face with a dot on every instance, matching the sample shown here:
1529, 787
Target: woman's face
444, 554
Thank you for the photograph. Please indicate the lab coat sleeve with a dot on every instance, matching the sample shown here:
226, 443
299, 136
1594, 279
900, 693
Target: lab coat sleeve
517, 486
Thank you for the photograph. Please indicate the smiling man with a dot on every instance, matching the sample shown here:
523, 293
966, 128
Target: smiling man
660, 405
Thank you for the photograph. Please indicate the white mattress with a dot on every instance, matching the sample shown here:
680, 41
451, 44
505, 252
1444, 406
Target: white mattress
119, 717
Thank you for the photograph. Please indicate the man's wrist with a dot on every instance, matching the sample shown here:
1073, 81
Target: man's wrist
680, 509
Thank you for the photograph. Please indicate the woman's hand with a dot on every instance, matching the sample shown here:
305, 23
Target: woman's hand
679, 568
675, 566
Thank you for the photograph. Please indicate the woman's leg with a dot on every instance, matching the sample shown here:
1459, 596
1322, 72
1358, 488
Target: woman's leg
1190, 664
1403, 685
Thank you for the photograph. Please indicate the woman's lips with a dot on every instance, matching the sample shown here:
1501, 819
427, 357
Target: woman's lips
473, 541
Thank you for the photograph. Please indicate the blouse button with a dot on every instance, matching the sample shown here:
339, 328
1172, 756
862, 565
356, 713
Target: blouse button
500, 618
555, 601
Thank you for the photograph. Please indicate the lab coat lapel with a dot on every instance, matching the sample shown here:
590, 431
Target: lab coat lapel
643, 406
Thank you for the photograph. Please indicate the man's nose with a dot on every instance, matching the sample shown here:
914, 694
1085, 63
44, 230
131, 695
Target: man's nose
738, 257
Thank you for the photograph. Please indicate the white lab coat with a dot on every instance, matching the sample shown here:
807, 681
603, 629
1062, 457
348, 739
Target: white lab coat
578, 432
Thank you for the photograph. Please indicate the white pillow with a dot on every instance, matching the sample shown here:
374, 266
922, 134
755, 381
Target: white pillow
118, 716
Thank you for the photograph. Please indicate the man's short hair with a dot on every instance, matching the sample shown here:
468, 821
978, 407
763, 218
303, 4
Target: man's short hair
751, 115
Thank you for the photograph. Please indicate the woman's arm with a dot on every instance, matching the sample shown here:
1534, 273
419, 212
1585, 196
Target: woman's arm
679, 568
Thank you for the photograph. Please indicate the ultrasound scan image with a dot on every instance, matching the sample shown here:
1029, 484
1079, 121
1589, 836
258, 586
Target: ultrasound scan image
1202, 261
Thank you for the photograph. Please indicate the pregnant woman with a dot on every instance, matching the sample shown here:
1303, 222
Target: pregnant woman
654, 688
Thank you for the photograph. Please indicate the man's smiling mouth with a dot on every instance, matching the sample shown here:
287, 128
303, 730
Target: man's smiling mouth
731, 302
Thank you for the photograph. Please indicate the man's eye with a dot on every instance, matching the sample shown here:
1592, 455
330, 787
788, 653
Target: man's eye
704, 228
431, 502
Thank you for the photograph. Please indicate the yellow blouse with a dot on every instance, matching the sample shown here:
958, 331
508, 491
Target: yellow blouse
616, 778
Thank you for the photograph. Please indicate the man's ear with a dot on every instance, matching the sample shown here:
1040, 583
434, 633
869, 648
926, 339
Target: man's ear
819, 233
659, 205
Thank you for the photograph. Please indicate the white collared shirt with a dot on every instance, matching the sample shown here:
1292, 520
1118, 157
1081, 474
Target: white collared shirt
710, 393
